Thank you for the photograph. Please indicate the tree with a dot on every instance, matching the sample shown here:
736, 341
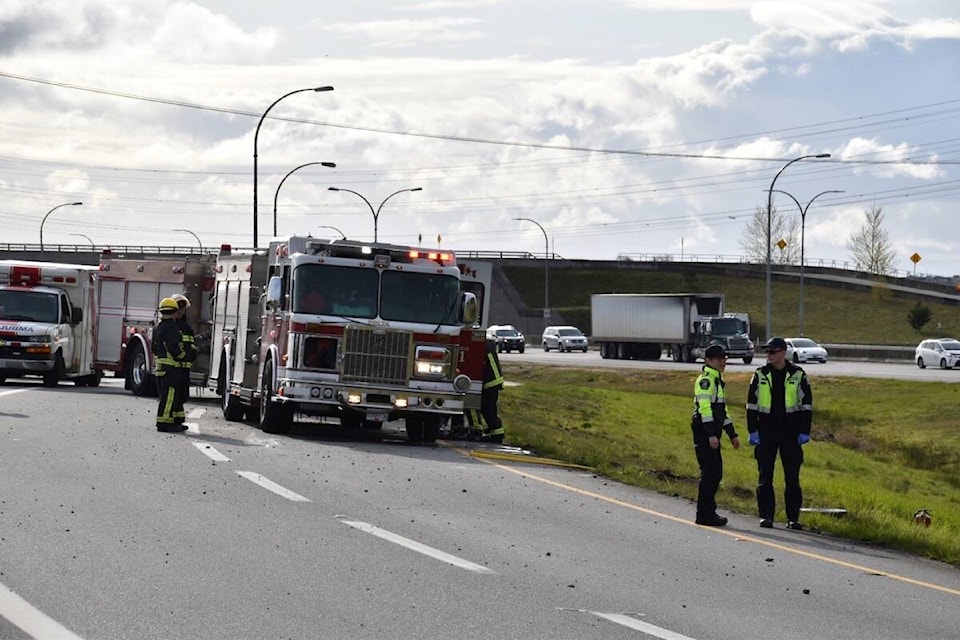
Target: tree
871, 246
919, 316
782, 227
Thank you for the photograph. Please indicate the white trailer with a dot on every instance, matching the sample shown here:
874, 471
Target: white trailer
47, 322
642, 326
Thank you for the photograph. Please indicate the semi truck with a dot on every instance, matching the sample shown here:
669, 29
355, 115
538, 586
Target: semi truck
643, 326
47, 321
364, 332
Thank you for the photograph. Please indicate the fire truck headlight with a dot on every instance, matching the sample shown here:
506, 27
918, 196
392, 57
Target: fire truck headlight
461, 383
433, 362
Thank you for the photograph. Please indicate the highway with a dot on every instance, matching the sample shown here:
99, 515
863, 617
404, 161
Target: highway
856, 368
109, 529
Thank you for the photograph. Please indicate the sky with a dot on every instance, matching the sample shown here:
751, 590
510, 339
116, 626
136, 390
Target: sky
629, 128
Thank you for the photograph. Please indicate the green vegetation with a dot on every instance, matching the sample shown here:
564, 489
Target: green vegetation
831, 314
882, 449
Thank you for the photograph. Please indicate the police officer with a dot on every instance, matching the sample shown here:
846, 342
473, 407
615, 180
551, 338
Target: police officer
492, 384
170, 354
709, 421
188, 336
779, 415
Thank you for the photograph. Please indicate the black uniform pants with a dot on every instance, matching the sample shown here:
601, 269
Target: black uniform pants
488, 409
170, 388
711, 472
791, 458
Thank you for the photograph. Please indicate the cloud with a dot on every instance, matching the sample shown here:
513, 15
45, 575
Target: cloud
407, 33
903, 154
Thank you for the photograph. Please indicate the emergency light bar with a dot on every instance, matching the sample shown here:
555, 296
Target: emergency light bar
382, 254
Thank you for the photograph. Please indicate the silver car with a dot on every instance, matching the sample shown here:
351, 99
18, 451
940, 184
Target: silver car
942, 352
805, 350
564, 339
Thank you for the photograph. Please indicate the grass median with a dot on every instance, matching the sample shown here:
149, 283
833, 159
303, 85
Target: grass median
881, 449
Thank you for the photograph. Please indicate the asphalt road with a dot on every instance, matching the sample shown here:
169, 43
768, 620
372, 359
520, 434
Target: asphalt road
892, 370
109, 529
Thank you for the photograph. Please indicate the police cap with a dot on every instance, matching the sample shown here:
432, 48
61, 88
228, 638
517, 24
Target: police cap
775, 344
715, 351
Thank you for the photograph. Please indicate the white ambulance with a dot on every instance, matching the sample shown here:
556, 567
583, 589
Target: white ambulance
47, 322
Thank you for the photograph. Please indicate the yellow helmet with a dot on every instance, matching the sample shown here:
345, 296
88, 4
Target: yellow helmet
168, 305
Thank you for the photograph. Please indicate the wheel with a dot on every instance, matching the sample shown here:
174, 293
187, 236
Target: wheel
920, 363
499, 347
521, 349
796, 358
943, 365
676, 354
748, 359
604, 351
139, 378
423, 429
545, 347
229, 404
274, 417
52, 378
622, 353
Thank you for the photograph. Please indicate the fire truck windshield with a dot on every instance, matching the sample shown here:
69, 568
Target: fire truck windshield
29, 306
335, 290
408, 296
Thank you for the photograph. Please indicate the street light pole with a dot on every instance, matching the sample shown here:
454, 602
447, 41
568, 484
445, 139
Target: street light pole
277, 192
546, 267
327, 226
376, 213
769, 292
194, 235
81, 235
256, 136
803, 225
65, 204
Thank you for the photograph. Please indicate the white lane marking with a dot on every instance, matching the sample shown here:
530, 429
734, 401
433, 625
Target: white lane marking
12, 391
210, 452
640, 625
270, 485
31, 620
416, 546
196, 412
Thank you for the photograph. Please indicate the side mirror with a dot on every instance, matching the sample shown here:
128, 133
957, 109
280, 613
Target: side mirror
274, 292
76, 315
469, 309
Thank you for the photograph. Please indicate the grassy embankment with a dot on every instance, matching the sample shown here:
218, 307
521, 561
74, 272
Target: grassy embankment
882, 449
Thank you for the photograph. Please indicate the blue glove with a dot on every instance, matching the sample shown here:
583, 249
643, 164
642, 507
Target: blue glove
803, 438
754, 438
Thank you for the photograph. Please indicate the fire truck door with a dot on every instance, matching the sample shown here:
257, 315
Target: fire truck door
110, 322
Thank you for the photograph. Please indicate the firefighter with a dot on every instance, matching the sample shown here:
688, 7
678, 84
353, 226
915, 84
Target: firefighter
170, 354
492, 384
188, 336
709, 422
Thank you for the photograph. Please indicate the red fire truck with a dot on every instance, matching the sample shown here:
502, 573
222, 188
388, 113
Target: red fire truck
129, 291
365, 332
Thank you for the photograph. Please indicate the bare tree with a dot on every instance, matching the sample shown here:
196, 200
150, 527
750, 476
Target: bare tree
871, 246
782, 227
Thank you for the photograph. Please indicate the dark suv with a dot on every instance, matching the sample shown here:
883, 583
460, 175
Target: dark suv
507, 338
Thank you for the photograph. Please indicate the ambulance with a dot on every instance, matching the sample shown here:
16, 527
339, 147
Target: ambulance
48, 322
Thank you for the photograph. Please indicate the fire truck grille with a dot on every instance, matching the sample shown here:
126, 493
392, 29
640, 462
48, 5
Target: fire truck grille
375, 356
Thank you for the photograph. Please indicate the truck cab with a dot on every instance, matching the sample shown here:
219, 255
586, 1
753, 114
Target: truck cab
732, 330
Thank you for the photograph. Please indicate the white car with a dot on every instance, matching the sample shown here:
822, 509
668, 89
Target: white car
564, 339
805, 350
942, 352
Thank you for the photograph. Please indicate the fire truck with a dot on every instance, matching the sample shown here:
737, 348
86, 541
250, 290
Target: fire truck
364, 332
47, 322
129, 291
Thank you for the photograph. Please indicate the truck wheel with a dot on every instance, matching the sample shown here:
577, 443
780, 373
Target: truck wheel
747, 359
622, 353
604, 351
423, 429
229, 404
52, 378
139, 379
274, 417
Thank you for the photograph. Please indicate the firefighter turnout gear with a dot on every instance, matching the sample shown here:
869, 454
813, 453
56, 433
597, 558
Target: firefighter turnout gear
188, 337
492, 384
708, 423
779, 417
172, 356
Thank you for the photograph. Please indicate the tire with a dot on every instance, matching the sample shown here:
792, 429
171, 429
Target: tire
52, 378
139, 379
274, 417
796, 359
748, 360
522, 349
943, 364
423, 429
622, 352
546, 349
233, 411
920, 363
604, 351
499, 347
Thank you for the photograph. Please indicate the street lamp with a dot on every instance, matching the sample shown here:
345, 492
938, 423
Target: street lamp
256, 136
194, 235
803, 224
769, 292
81, 235
65, 204
277, 193
376, 214
546, 267
327, 226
